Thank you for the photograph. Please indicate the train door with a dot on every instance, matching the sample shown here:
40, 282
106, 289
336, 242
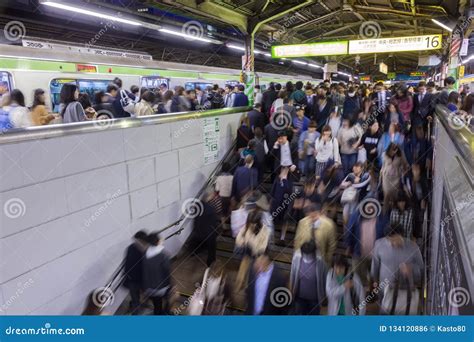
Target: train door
153, 82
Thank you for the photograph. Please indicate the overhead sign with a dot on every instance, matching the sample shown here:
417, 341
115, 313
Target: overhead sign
383, 68
364, 78
391, 75
397, 44
311, 49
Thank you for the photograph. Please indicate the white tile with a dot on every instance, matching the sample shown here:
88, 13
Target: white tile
25, 251
92, 187
79, 153
141, 173
186, 133
140, 142
164, 137
191, 183
111, 147
143, 202
167, 166
168, 192
41, 160
191, 158
11, 173
32, 205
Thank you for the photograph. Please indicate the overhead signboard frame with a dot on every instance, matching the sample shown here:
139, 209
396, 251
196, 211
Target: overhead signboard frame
396, 44
332, 48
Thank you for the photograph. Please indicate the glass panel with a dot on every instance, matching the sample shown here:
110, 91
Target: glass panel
55, 89
154, 82
6, 82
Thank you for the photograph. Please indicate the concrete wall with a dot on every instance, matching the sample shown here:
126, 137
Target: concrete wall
71, 204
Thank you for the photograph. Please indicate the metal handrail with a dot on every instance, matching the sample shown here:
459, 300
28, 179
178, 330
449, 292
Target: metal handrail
462, 137
117, 277
57, 130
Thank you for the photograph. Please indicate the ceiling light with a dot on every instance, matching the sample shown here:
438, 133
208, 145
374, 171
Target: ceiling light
439, 23
314, 65
267, 54
471, 57
232, 46
299, 62
188, 36
91, 13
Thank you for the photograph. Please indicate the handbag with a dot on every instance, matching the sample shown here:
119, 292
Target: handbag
398, 301
127, 103
349, 195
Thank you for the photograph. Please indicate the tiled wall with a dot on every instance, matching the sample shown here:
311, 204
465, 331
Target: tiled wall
70, 205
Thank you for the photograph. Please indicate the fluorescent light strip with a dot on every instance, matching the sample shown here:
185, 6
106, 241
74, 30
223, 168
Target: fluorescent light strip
186, 36
471, 57
91, 13
299, 62
236, 47
442, 25
314, 65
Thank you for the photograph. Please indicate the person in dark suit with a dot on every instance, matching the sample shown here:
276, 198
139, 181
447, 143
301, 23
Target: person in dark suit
240, 99
380, 98
245, 179
267, 292
269, 96
256, 117
133, 269
423, 105
322, 109
310, 100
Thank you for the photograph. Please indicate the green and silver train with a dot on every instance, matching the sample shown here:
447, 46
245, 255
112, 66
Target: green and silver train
28, 68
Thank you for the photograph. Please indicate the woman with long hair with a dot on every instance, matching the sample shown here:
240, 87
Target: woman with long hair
393, 169
18, 113
39, 113
71, 109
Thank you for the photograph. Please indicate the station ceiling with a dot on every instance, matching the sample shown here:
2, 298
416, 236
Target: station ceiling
230, 21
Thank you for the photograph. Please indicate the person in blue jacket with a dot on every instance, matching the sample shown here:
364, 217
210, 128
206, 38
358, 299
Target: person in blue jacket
240, 99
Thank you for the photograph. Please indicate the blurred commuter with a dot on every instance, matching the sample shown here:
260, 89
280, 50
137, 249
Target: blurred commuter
245, 179
251, 241
265, 280
393, 116
268, 97
344, 290
418, 149
39, 113
260, 149
257, 95
103, 107
310, 100
163, 88
240, 99
453, 101
320, 228
71, 110
123, 103
423, 103
205, 228
280, 193
86, 103
322, 110
135, 92
404, 102
145, 106
179, 103
348, 138
298, 95
351, 104
396, 259
326, 150
355, 185
306, 144
167, 100
18, 114
244, 132
223, 187
380, 98
133, 269
443, 96
300, 122
215, 98
392, 136
5, 123
157, 275
308, 280
402, 214
393, 168
369, 142
229, 96
256, 117
285, 153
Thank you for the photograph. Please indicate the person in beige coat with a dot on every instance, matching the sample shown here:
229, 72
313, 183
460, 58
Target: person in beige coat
145, 106
253, 239
320, 228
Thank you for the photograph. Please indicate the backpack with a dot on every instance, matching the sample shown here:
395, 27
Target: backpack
126, 102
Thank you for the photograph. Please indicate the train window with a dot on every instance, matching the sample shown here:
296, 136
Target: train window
154, 82
6, 82
232, 83
193, 85
85, 86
